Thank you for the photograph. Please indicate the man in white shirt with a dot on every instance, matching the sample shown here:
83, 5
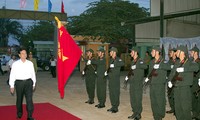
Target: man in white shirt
23, 79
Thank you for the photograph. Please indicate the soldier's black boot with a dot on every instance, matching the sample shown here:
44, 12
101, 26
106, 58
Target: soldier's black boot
137, 117
132, 116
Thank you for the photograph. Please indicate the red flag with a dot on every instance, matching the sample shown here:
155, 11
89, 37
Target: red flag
62, 8
69, 54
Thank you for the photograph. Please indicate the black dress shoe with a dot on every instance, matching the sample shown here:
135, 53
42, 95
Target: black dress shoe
137, 117
101, 106
109, 110
91, 102
132, 116
170, 111
87, 101
97, 105
114, 111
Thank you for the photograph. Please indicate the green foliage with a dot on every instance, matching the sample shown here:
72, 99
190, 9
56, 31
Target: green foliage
40, 31
103, 19
9, 27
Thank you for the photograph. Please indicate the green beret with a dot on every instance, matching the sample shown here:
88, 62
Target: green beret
114, 49
101, 49
90, 50
195, 49
156, 48
136, 49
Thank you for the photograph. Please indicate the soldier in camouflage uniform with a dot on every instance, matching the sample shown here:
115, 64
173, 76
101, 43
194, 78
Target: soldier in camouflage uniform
135, 78
194, 52
172, 60
90, 76
182, 74
115, 65
157, 78
101, 83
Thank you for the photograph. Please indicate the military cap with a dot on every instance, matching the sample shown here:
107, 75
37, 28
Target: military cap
173, 49
182, 48
156, 48
113, 49
101, 49
136, 49
90, 50
30, 53
195, 49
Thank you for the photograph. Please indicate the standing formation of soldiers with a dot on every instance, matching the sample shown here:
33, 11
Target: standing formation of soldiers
180, 74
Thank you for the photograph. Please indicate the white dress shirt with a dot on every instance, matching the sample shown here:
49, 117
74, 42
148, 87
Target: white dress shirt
22, 71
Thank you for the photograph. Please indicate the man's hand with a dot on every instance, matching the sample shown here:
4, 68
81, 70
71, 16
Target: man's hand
58, 22
12, 90
33, 88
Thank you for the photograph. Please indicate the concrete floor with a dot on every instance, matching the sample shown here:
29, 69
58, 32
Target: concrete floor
75, 97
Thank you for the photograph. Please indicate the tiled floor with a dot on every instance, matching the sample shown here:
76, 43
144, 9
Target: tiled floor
75, 97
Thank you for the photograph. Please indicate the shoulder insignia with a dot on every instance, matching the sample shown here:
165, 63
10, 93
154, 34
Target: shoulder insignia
141, 62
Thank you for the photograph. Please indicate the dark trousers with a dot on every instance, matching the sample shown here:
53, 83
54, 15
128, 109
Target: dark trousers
158, 101
53, 71
24, 88
101, 90
171, 99
183, 102
90, 81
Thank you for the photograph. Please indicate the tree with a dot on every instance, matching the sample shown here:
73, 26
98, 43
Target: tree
9, 27
40, 31
103, 19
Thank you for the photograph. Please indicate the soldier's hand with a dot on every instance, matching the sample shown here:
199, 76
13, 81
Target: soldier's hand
146, 80
133, 67
199, 82
83, 72
105, 74
88, 62
170, 84
126, 78
112, 66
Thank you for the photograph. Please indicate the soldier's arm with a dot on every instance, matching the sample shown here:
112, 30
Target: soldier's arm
192, 67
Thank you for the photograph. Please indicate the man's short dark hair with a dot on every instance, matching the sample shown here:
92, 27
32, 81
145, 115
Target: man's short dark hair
21, 49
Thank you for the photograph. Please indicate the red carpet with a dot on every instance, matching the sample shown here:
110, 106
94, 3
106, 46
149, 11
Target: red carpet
42, 111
